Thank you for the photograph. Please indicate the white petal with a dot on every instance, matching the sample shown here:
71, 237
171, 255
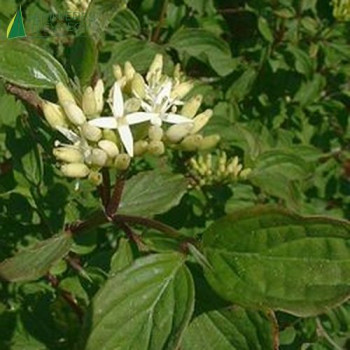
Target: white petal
70, 135
164, 93
176, 119
104, 122
127, 139
139, 117
118, 102
146, 106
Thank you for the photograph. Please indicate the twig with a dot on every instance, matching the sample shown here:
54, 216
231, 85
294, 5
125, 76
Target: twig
149, 223
131, 234
95, 220
28, 96
67, 296
114, 202
105, 188
161, 21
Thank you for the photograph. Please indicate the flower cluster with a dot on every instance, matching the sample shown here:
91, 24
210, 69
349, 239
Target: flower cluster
218, 169
341, 10
148, 115
77, 6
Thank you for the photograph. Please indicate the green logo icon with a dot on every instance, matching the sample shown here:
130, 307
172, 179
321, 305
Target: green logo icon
16, 27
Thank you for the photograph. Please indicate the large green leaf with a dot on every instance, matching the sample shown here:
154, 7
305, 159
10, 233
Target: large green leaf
27, 65
219, 325
146, 306
151, 193
33, 262
201, 44
267, 257
100, 14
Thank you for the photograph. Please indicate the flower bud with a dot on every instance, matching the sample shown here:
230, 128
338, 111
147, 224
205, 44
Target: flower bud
64, 95
156, 68
91, 133
140, 147
178, 131
95, 178
99, 92
209, 142
177, 71
181, 90
190, 143
201, 120
132, 105
191, 107
68, 155
117, 72
98, 157
245, 173
122, 161
110, 135
54, 114
109, 147
138, 86
74, 113
76, 170
155, 133
89, 102
129, 71
156, 148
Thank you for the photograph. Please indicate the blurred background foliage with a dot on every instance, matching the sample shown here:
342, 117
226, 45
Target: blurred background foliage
276, 74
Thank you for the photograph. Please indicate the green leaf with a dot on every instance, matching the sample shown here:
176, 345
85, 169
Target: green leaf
201, 43
146, 306
33, 262
84, 56
123, 257
100, 14
268, 257
265, 30
151, 193
125, 22
27, 65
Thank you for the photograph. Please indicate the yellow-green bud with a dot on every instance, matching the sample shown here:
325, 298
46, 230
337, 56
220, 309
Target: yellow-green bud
177, 132
191, 107
209, 142
156, 68
68, 155
155, 133
109, 147
76, 170
245, 173
54, 114
74, 113
110, 135
91, 133
138, 86
181, 90
132, 105
140, 147
201, 120
117, 72
190, 143
177, 71
64, 95
89, 102
122, 161
156, 148
99, 92
129, 71
95, 178
98, 157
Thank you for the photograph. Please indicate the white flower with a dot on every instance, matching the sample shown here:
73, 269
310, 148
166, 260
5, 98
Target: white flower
120, 120
158, 102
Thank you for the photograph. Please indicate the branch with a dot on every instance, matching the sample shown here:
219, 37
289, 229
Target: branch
27, 96
160, 22
131, 234
113, 204
96, 219
105, 188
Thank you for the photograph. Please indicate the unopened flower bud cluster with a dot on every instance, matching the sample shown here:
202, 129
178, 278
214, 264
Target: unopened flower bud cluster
147, 115
77, 6
341, 10
211, 169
